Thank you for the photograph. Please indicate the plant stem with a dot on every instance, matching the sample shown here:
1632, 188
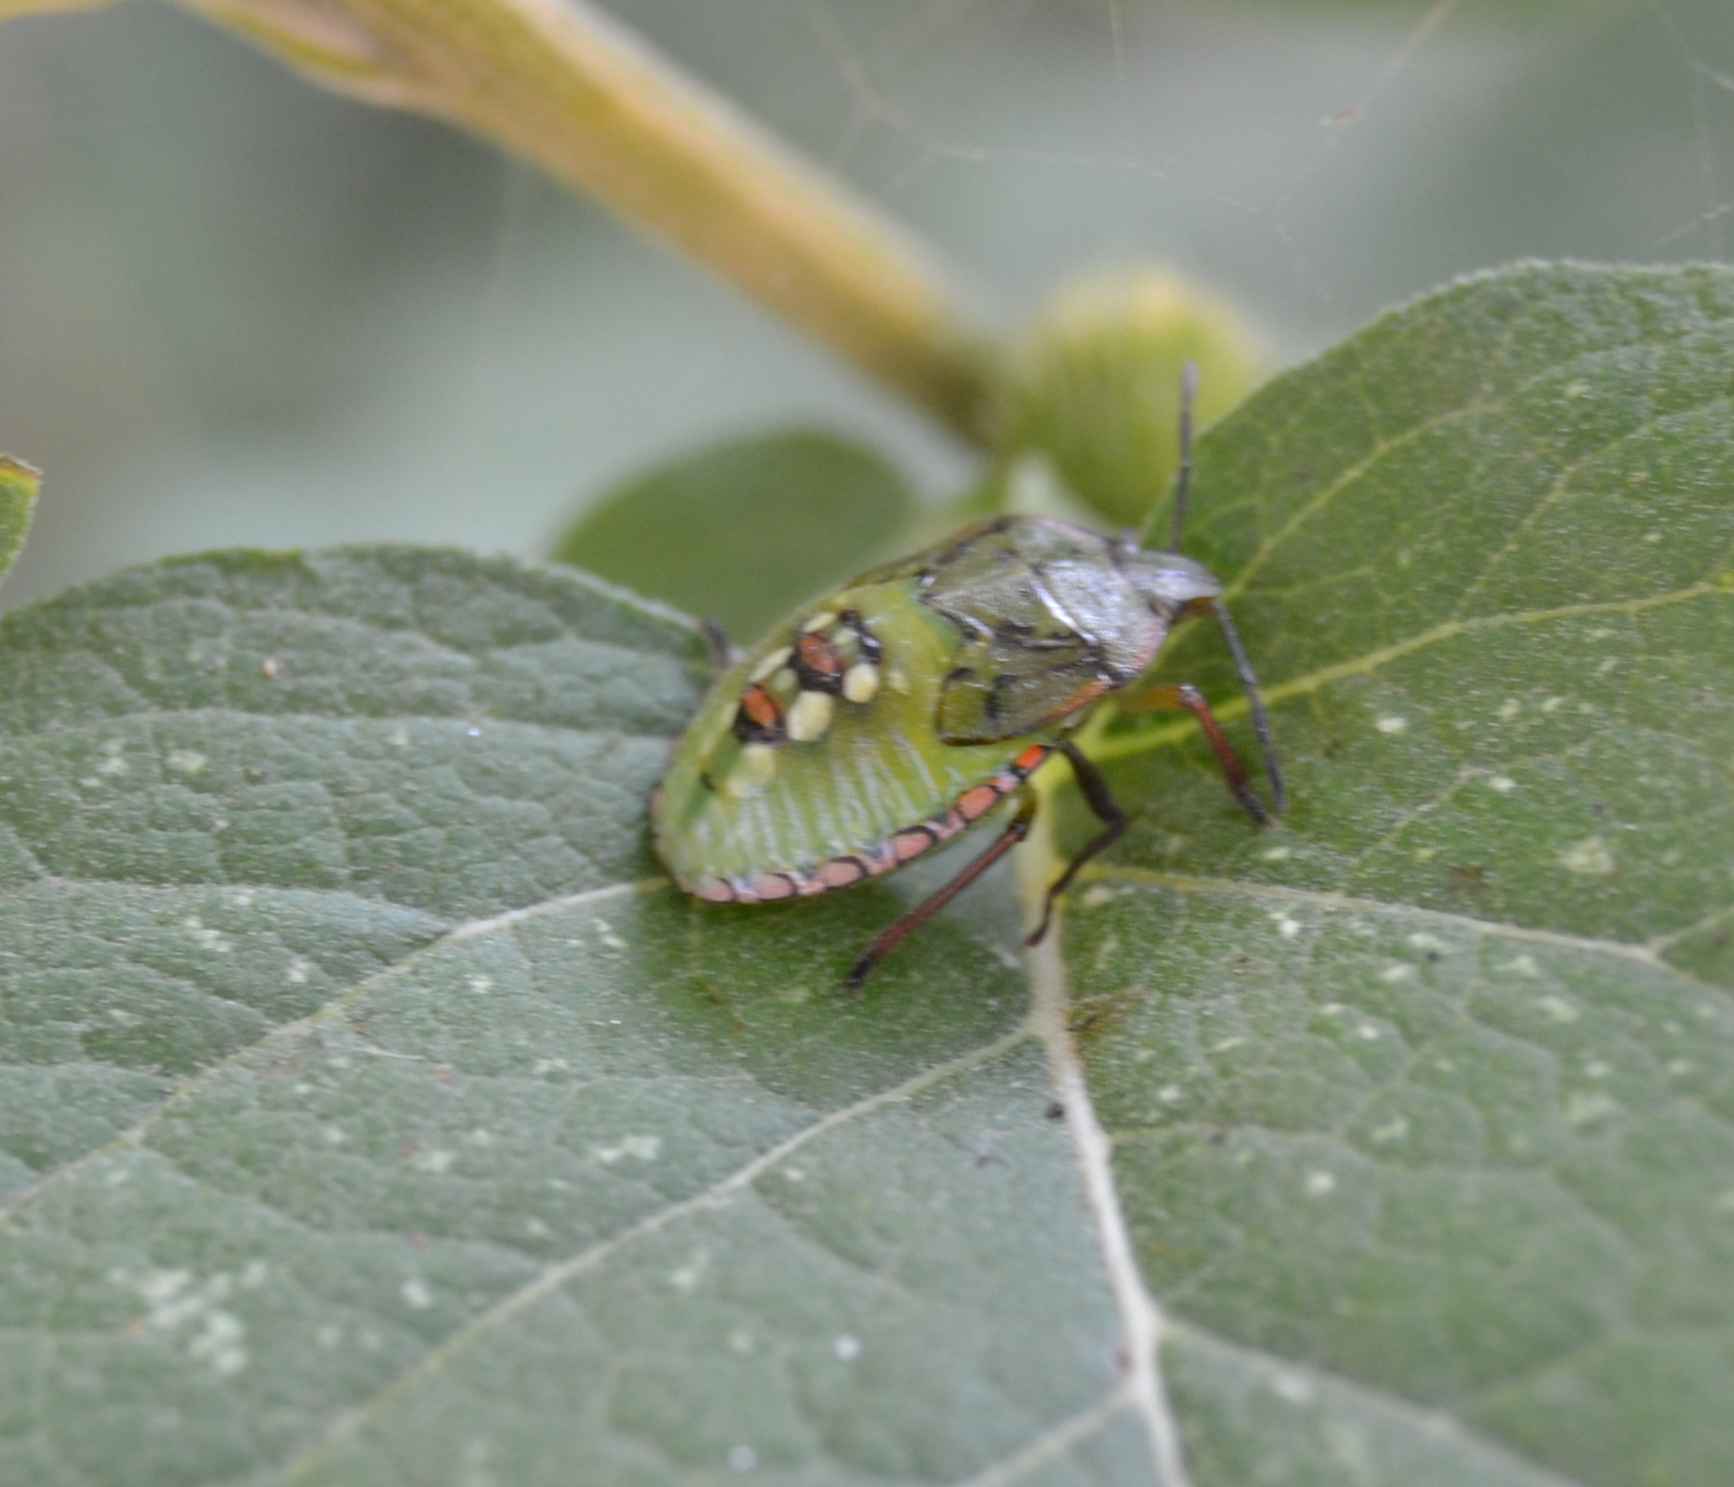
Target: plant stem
562, 85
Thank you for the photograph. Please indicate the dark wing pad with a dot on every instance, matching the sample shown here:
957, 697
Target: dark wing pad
1008, 685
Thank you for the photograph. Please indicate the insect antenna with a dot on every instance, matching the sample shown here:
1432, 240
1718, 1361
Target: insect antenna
1260, 718
1183, 477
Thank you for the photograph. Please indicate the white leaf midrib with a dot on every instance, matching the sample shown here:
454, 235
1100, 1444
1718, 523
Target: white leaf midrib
1142, 1321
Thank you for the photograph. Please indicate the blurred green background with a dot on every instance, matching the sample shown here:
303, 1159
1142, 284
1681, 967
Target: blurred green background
235, 309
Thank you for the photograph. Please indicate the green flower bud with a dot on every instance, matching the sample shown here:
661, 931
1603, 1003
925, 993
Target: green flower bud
1095, 386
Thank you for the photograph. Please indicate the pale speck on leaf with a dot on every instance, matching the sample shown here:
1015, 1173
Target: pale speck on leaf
1589, 858
686, 1277
1558, 1008
1393, 1130
639, 1148
1584, 1107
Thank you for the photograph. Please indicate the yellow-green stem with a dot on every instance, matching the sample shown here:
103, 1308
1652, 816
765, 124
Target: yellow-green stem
562, 85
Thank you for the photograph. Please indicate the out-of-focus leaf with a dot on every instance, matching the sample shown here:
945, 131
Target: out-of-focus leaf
19, 487
743, 530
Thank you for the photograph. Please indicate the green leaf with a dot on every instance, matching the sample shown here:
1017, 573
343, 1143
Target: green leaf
19, 486
371, 1110
1422, 1106
369, 1104
743, 530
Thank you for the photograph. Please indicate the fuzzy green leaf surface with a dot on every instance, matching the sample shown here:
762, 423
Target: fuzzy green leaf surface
371, 1109
743, 530
19, 486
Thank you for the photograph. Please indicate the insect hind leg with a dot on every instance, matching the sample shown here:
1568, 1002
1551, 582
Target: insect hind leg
1101, 801
900, 928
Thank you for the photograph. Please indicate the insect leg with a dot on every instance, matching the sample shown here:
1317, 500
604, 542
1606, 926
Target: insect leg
1186, 697
1260, 718
894, 933
722, 654
1107, 809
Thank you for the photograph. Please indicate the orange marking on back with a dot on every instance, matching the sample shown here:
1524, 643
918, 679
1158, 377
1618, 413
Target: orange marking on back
1030, 758
762, 709
818, 654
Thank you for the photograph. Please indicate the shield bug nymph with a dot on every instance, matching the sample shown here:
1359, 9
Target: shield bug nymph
900, 710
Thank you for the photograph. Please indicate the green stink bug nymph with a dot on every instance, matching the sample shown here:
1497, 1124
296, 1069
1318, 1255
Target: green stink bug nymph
897, 712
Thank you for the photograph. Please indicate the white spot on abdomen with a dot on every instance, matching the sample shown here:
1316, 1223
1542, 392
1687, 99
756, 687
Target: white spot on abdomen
810, 716
861, 682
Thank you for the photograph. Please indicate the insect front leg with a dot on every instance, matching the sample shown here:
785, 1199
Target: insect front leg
1101, 801
1187, 698
894, 933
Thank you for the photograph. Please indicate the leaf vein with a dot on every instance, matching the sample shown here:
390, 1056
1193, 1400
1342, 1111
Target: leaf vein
552, 1277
